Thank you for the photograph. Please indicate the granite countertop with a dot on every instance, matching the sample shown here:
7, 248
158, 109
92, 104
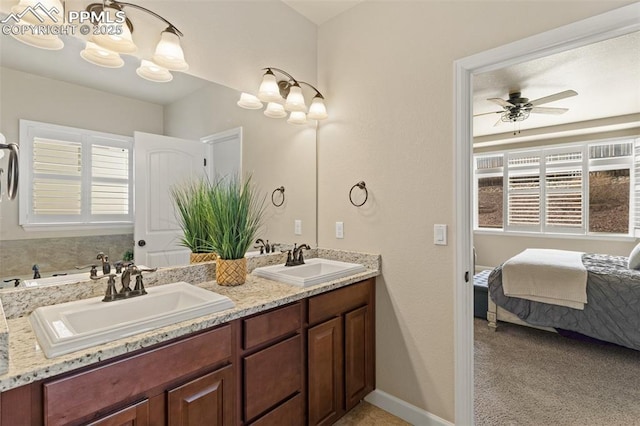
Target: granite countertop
27, 362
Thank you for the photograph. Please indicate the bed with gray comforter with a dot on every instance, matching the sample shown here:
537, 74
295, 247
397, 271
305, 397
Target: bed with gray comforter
612, 311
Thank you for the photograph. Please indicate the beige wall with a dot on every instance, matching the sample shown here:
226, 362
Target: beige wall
31, 97
274, 152
388, 68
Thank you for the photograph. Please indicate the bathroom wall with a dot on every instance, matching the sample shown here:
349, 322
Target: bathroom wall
388, 70
273, 152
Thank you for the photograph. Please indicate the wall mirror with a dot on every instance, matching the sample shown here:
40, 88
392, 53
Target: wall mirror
59, 87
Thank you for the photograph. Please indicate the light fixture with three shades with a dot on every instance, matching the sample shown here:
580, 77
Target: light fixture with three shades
284, 98
104, 47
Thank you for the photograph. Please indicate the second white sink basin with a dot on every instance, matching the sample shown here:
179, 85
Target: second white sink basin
314, 271
71, 326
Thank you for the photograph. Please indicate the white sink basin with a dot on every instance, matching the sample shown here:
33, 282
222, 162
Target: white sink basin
72, 326
314, 271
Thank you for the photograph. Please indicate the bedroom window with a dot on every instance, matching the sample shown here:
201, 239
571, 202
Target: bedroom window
572, 189
74, 177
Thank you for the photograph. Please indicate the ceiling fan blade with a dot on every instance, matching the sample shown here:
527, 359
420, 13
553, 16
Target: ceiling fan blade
501, 102
498, 122
487, 113
554, 97
548, 110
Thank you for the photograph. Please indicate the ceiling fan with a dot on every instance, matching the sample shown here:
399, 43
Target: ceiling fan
518, 108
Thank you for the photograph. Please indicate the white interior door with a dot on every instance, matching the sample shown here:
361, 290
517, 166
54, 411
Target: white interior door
160, 162
225, 153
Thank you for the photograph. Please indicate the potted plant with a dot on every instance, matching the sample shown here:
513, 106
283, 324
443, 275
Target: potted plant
238, 210
195, 217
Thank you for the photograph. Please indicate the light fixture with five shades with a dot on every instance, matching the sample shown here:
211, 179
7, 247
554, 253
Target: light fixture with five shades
285, 95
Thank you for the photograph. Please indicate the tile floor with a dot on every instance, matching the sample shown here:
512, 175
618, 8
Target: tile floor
365, 414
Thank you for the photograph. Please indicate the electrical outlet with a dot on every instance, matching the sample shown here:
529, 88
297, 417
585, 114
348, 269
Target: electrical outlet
339, 229
297, 227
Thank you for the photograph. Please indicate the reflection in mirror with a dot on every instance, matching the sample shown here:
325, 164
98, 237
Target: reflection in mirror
58, 87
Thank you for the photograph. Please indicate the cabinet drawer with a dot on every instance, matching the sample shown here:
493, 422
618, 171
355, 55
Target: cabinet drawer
271, 325
336, 302
291, 413
123, 380
271, 376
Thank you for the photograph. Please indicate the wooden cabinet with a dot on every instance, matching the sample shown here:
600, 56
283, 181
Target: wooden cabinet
207, 400
272, 362
304, 363
341, 351
134, 415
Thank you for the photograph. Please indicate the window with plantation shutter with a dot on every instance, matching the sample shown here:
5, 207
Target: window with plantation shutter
581, 189
74, 176
523, 192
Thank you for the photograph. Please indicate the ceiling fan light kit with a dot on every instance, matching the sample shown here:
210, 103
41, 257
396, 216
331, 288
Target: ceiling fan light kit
518, 108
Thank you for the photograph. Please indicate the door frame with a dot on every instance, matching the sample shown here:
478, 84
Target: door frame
597, 28
224, 136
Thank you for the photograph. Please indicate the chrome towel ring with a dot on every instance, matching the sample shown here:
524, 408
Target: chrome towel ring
273, 195
362, 186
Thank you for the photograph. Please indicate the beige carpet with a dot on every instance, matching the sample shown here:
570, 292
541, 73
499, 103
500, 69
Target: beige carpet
525, 376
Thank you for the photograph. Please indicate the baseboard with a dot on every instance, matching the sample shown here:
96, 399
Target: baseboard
407, 412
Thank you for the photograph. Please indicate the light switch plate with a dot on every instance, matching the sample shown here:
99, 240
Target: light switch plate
297, 227
339, 229
440, 235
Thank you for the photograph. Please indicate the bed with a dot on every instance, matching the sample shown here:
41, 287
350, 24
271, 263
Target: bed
611, 312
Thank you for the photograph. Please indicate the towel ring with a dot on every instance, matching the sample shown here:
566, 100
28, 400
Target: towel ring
273, 194
12, 169
362, 186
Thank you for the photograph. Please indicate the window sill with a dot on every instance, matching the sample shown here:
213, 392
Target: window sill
611, 237
128, 226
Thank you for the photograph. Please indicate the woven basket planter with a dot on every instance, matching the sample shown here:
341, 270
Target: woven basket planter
231, 272
202, 257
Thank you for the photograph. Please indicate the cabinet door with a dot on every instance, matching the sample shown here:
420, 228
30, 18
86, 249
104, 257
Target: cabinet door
358, 358
325, 372
134, 415
207, 400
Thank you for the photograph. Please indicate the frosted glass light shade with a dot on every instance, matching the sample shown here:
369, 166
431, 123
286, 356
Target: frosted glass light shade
98, 55
41, 41
249, 101
169, 54
269, 91
49, 11
297, 117
275, 110
317, 110
152, 72
121, 43
295, 100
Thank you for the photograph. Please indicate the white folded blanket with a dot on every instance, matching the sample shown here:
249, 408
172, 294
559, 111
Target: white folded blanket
557, 277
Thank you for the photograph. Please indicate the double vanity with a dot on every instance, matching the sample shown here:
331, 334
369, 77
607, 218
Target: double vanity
291, 346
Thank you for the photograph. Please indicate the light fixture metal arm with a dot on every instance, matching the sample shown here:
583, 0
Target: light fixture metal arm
298, 82
171, 28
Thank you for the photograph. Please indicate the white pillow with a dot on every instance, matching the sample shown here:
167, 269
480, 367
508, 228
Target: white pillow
634, 258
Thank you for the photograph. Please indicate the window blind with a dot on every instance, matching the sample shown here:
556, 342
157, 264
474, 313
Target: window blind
57, 172
109, 180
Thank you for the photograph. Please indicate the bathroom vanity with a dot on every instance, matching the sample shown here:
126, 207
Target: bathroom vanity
282, 356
